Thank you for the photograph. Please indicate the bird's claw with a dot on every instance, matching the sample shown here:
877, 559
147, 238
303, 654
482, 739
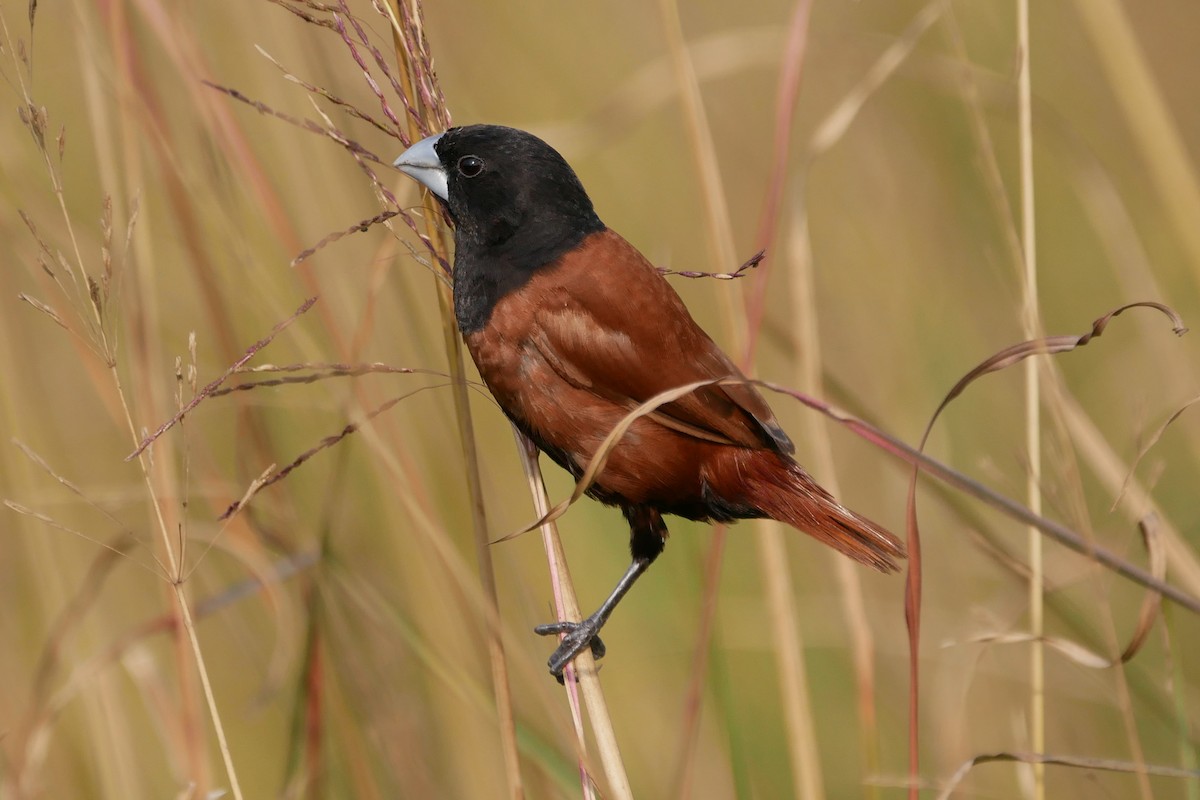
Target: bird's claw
579, 635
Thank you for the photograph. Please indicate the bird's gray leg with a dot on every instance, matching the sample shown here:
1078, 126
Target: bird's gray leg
647, 534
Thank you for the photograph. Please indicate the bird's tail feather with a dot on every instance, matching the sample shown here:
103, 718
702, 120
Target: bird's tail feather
782, 490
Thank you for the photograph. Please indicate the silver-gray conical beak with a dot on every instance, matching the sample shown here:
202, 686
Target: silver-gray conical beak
421, 162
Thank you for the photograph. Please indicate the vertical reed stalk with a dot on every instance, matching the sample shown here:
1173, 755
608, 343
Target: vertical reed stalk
1032, 325
805, 757
409, 38
566, 605
804, 300
582, 673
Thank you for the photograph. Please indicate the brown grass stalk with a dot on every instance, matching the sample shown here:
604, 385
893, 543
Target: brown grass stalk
803, 738
419, 89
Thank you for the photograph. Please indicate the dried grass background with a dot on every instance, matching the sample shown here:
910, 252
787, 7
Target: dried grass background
339, 614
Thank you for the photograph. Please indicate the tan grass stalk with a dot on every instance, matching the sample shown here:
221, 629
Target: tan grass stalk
1102, 202
719, 225
810, 369
483, 553
1033, 423
805, 757
773, 553
566, 604
177, 577
141, 112
581, 675
408, 37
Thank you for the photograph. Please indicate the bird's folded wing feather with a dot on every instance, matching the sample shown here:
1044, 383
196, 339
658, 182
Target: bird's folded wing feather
602, 330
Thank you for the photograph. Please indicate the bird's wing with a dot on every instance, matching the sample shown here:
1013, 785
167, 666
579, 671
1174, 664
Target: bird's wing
609, 323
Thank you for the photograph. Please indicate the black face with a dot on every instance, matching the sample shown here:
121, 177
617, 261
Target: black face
517, 206
507, 176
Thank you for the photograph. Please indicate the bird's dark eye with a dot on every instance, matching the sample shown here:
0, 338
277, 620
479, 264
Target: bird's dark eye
470, 166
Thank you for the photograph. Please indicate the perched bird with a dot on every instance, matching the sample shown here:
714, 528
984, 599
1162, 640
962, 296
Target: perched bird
572, 328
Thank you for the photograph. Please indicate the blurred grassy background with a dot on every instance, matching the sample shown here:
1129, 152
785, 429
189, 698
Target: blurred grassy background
367, 624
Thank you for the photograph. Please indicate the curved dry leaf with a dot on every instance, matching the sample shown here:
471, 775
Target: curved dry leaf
1072, 650
1152, 603
1050, 345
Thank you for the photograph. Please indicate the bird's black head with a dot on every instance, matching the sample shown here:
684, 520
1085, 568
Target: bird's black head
508, 192
516, 204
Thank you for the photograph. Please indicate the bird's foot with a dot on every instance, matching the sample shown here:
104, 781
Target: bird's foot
579, 635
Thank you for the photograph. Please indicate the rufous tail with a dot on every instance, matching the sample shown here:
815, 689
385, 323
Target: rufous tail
782, 490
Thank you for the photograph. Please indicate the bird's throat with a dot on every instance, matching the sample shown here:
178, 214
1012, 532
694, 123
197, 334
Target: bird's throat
487, 269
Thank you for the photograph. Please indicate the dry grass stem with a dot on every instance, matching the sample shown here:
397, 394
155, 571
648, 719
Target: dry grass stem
1032, 324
